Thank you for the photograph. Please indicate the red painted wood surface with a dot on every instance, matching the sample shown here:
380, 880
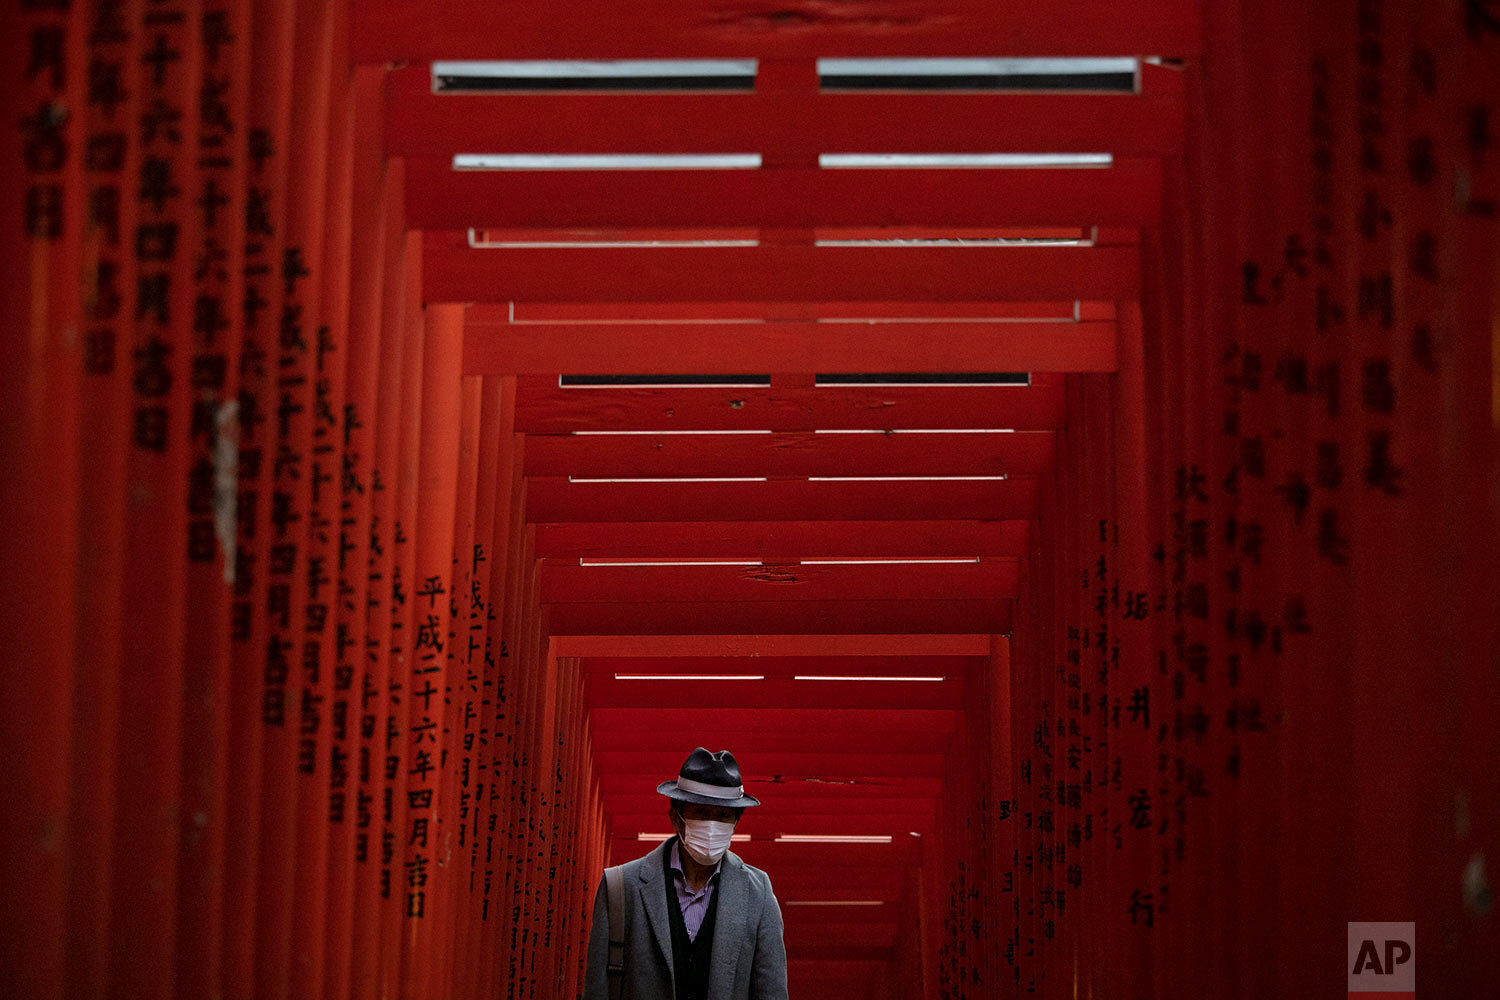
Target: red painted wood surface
42, 233
271, 44
544, 408
571, 583
104, 432
314, 684
774, 541
1125, 194
793, 123
792, 617
561, 500
160, 343
482, 314
452, 271
783, 347
789, 454
611, 30
212, 503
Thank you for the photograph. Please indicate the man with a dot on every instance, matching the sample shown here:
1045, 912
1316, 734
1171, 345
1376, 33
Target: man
700, 924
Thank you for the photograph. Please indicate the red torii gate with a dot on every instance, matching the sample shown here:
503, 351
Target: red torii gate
346, 641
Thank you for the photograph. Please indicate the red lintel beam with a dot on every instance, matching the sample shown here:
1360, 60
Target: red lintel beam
785, 760
455, 272
749, 741
631, 786
801, 798
386, 31
663, 312
781, 821
819, 741
554, 500
789, 454
574, 584
811, 644
716, 348
868, 865
782, 617
799, 124
780, 540
788, 666
647, 805
815, 932
543, 407
1127, 194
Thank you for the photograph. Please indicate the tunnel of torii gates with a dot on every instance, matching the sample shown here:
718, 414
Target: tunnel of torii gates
1052, 445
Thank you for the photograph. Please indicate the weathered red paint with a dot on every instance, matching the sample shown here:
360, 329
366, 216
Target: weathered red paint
453, 271
458, 29
608, 349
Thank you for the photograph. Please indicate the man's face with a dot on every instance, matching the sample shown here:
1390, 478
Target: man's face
692, 810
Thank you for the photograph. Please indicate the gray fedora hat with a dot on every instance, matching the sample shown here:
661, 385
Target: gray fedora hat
709, 779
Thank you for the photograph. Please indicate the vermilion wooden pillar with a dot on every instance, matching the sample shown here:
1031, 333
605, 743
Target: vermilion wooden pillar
325, 319
42, 232
351, 802
1130, 724
108, 303
149, 780
218, 335
461, 712
496, 423
422, 876
371, 904
268, 173
395, 758
503, 709
287, 674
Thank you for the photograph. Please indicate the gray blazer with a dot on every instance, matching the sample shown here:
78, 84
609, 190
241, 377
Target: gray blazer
748, 960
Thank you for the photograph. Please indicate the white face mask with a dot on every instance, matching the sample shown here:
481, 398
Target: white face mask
706, 840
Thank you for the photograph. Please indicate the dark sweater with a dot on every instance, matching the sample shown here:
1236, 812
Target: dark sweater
690, 958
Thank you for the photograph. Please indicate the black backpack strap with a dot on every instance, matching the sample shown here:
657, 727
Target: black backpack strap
614, 895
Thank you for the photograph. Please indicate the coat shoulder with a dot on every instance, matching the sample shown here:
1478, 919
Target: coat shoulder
758, 878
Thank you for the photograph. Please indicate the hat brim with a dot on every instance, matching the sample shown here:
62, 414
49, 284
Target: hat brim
671, 791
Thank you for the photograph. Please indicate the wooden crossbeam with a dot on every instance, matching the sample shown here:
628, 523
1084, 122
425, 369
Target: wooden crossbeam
669, 646
772, 823
710, 718
858, 864
792, 125
752, 743
809, 798
553, 500
782, 617
784, 666
800, 791
818, 933
781, 540
1127, 194
786, 762
629, 815
481, 313
386, 31
543, 407
562, 583
790, 455
716, 348
455, 272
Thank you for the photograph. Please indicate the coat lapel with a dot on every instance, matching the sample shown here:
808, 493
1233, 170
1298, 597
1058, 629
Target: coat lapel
654, 895
729, 929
